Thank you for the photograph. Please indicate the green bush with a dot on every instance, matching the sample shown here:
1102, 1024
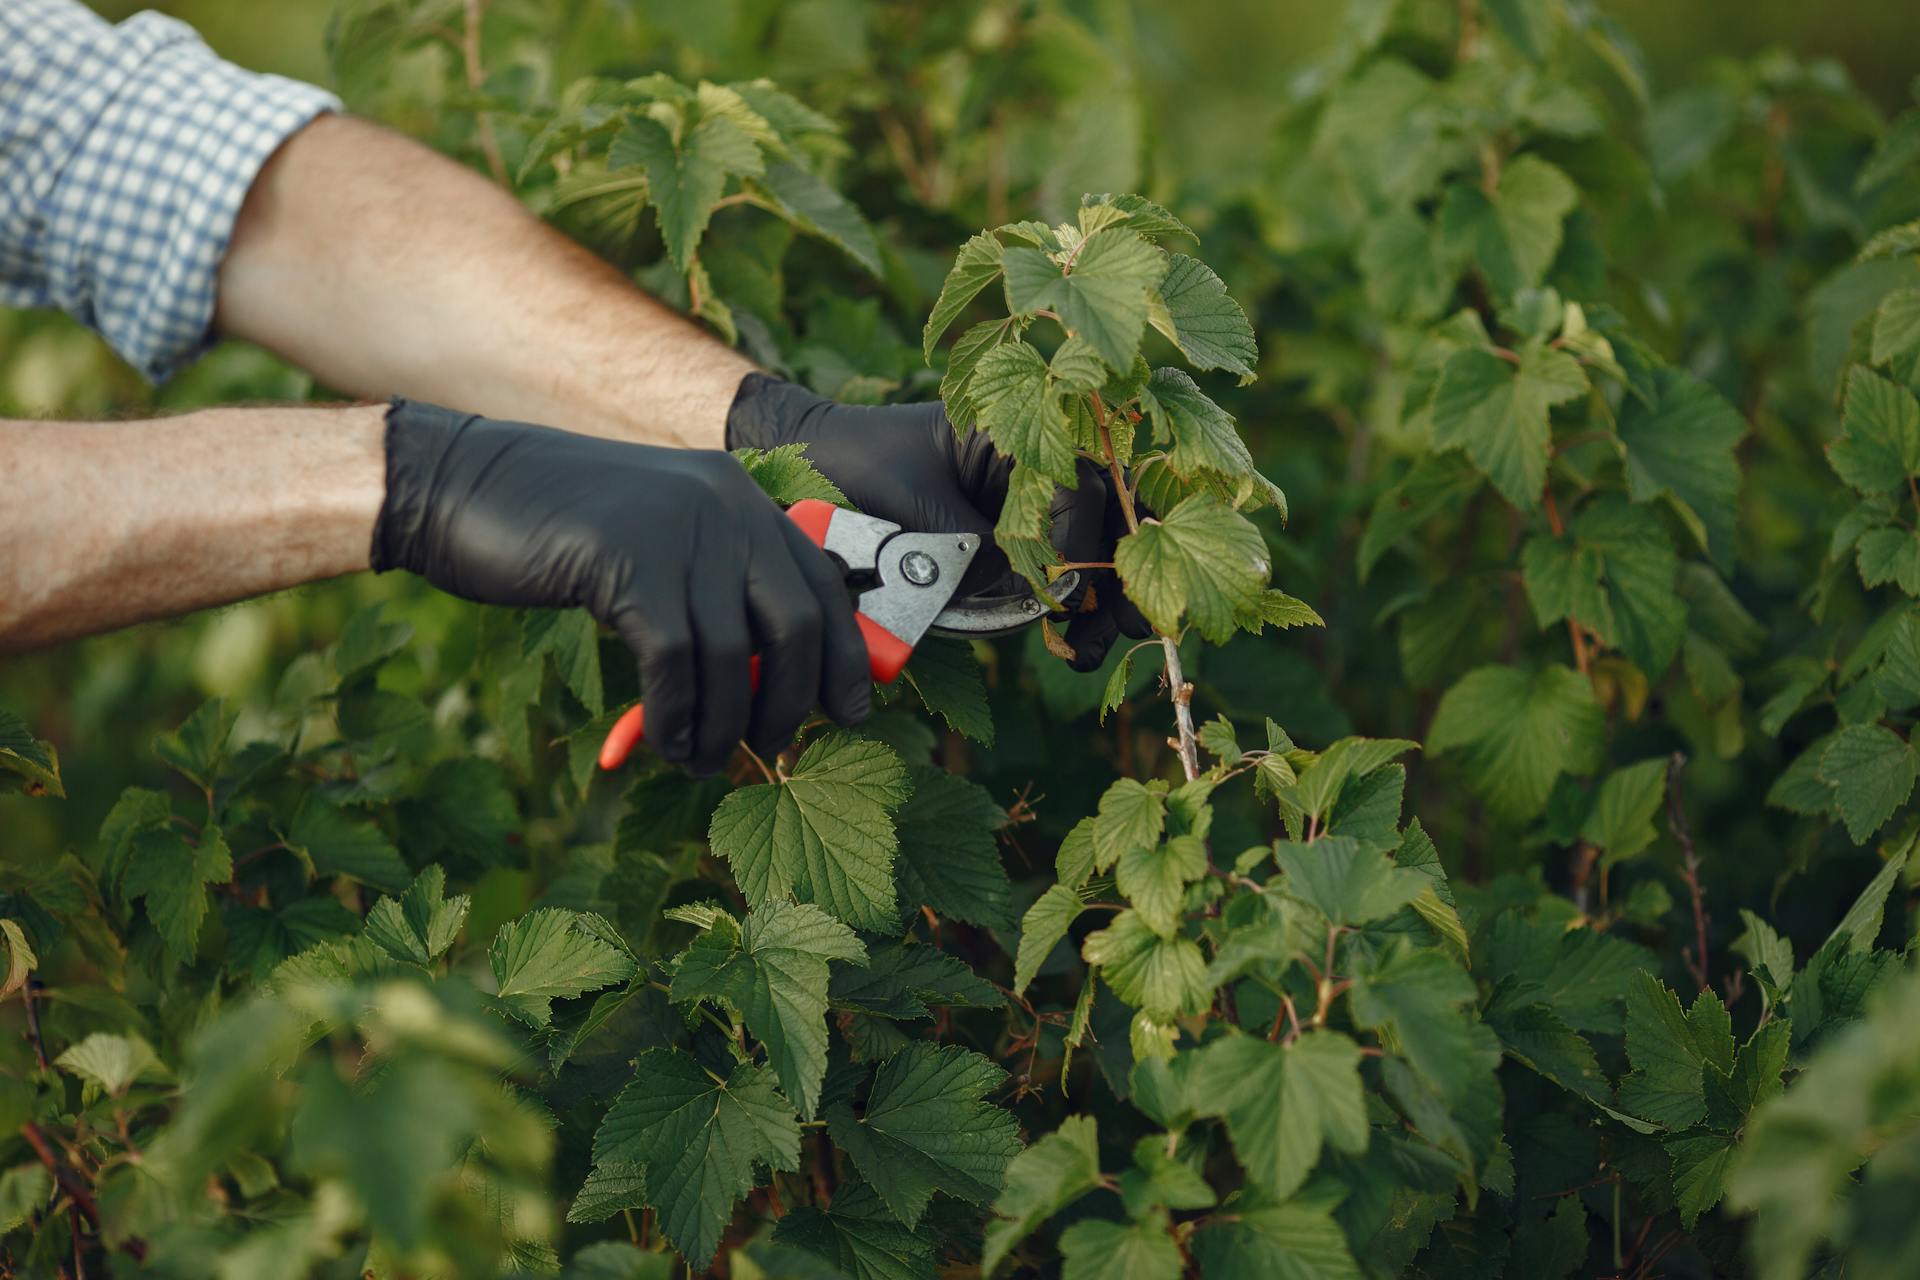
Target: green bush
1596, 406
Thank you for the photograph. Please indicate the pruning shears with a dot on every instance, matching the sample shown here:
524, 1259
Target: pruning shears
905, 583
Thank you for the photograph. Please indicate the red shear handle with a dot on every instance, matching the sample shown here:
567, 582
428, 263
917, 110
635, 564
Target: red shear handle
887, 653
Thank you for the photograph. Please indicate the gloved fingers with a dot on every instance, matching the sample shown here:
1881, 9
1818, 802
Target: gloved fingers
845, 680
1113, 600
1091, 634
723, 656
787, 618
1080, 515
659, 632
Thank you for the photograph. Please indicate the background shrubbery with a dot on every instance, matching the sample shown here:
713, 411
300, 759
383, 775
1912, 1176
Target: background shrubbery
1591, 389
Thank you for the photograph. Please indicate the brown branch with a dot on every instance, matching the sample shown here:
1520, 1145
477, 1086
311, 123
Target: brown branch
1677, 823
476, 79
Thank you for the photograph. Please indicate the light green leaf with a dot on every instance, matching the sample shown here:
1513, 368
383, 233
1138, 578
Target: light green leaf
1872, 771
776, 977
1021, 531
824, 835
1670, 1052
109, 1061
36, 763
1282, 1104
1201, 318
811, 204
573, 638
1513, 235
552, 954
1020, 409
785, 475
1700, 1167
1649, 617
1497, 411
1256, 1240
1415, 998
1205, 440
1041, 929
1879, 443
1163, 977
1896, 334
1857, 929
1518, 731
1204, 560
1621, 820
1890, 555
1563, 581
1045, 1178
975, 267
1095, 1249
925, 1129
700, 1141
1154, 878
1132, 815
199, 746
1101, 293
685, 177
1437, 483
173, 876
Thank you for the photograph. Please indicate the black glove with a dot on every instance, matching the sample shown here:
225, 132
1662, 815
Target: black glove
905, 463
675, 549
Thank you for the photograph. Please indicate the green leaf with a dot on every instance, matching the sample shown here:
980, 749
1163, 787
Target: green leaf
340, 845
686, 176
786, 475
1879, 443
1438, 483
1164, 977
1204, 560
1255, 1240
1530, 25
111, 1062
1621, 820
198, 747
812, 205
1020, 410
1670, 1052
1021, 532
1513, 235
173, 876
1890, 555
1132, 815
1282, 1104
1409, 267
1205, 441
1518, 731
776, 977
1497, 411
1896, 335
1139, 214
975, 267
700, 1141
1563, 580
573, 638
949, 851
858, 1235
824, 835
1045, 1178
1872, 771
1414, 997
908, 980
422, 923
1154, 878
1095, 1249
1536, 1036
1648, 617
1347, 884
1681, 446
946, 675
1103, 292
21, 960
925, 1129
552, 954
1700, 1167
611, 1187
1201, 318
1322, 781
1041, 929
26, 757
1861, 925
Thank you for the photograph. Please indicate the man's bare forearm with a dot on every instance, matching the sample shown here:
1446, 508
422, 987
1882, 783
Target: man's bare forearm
386, 269
109, 524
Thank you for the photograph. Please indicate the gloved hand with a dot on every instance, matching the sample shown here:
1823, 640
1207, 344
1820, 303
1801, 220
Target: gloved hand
906, 464
676, 549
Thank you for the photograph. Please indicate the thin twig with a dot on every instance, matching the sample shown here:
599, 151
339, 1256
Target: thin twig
33, 1022
1690, 862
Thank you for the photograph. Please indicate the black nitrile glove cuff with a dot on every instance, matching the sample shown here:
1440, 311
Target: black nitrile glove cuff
417, 438
768, 412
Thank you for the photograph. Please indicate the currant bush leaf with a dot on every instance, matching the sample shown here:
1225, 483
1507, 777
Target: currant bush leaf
1200, 317
1203, 560
950, 853
1518, 731
552, 954
1497, 411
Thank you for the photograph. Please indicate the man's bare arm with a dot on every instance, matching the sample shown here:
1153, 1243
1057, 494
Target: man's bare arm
109, 524
384, 268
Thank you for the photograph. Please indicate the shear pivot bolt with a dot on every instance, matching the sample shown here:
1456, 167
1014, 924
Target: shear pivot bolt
921, 569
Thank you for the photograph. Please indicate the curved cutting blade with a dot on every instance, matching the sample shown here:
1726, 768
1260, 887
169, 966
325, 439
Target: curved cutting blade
982, 616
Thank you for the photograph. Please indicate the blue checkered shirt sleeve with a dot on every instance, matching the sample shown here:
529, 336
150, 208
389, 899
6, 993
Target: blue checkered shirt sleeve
125, 154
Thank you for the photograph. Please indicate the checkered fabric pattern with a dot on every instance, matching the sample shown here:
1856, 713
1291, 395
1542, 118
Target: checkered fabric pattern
125, 154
